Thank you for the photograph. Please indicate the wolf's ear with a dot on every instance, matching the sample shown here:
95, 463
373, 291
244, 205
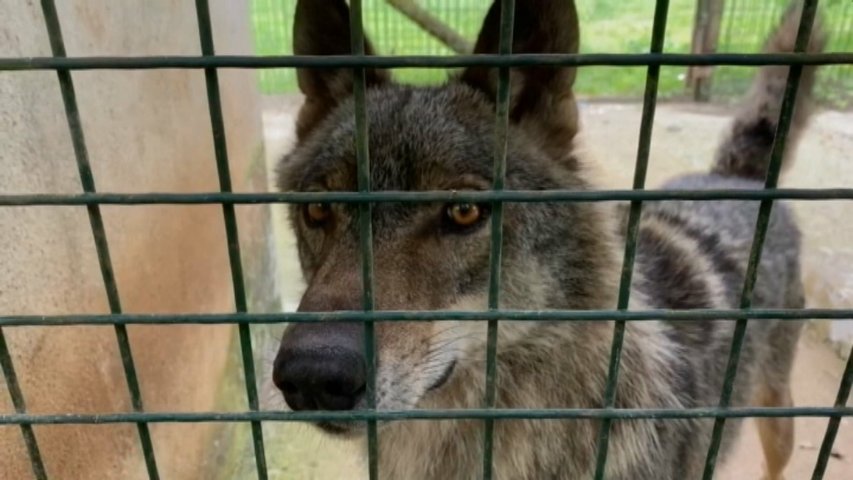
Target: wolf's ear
541, 98
321, 27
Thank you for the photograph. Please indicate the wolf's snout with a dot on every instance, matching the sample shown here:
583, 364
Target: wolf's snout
321, 366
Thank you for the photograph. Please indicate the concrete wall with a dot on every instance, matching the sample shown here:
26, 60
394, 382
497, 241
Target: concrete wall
146, 131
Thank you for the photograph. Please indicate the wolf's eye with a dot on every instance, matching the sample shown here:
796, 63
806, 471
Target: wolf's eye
465, 215
317, 214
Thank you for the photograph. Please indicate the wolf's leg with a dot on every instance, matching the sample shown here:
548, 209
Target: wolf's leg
777, 434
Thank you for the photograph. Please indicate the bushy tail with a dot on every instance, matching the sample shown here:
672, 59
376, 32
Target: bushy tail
745, 151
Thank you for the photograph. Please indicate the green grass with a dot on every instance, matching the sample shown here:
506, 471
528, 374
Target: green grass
612, 26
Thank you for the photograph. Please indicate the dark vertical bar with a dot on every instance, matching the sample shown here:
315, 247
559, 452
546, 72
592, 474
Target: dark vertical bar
20, 407
835, 420
501, 126
728, 18
643, 149
775, 166
844, 42
221, 151
87, 180
365, 229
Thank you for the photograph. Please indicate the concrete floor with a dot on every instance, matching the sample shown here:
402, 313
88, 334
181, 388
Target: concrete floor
684, 139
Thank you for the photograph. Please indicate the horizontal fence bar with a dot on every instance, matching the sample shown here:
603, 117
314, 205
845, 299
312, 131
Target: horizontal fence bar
422, 61
409, 316
458, 414
520, 196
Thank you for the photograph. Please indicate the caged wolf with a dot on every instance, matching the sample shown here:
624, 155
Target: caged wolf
557, 255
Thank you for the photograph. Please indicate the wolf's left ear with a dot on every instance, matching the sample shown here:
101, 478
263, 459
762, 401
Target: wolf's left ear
321, 27
541, 98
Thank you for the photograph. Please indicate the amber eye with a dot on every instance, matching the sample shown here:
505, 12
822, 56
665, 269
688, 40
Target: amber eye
463, 215
317, 214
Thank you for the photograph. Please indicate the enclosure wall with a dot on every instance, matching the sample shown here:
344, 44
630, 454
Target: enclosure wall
145, 131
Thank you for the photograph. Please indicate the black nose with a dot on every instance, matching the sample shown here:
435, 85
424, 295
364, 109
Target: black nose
321, 366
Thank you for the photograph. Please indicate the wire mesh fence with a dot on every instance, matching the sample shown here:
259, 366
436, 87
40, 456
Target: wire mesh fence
747, 22
654, 62
610, 26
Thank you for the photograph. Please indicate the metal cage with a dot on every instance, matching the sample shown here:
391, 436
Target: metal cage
211, 62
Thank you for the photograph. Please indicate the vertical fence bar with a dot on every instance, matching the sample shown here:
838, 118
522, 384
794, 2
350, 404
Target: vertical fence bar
835, 420
87, 180
772, 178
728, 20
221, 151
365, 229
640, 170
365, 233
20, 407
501, 126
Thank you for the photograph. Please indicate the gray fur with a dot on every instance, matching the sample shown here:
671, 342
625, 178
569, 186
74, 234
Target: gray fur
555, 256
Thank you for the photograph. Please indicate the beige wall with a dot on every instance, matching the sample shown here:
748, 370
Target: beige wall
146, 131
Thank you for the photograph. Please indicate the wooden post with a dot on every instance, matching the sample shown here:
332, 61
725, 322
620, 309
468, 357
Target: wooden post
706, 35
432, 25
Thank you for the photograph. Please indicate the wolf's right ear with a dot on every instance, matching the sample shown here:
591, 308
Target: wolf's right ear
321, 27
541, 98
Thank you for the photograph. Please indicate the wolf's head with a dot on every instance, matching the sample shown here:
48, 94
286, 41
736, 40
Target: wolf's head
433, 256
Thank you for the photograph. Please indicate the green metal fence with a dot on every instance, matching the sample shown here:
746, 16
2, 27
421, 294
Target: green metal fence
746, 24
653, 60
616, 26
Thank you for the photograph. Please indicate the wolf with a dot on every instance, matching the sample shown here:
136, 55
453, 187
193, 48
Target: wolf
556, 256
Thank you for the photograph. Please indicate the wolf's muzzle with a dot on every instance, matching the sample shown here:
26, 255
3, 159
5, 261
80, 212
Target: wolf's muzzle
321, 366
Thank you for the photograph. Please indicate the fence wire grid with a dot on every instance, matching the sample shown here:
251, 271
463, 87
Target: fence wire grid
609, 26
652, 59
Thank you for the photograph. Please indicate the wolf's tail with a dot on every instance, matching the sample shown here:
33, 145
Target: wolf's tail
745, 150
